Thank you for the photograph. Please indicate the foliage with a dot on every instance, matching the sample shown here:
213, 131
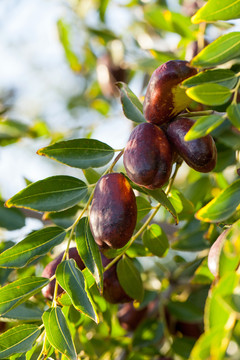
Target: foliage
194, 315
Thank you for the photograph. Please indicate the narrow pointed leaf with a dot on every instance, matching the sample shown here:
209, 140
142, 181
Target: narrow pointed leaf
225, 48
155, 239
55, 193
215, 10
58, 333
130, 278
11, 219
79, 153
132, 107
209, 94
218, 76
34, 245
23, 312
17, 292
89, 251
233, 112
72, 281
203, 126
222, 206
18, 339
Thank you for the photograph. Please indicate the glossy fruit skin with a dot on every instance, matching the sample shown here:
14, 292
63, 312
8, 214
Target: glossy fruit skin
129, 317
113, 213
200, 154
164, 98
112, 290
148, 156
50, 270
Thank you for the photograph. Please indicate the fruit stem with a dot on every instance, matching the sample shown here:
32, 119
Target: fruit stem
201, 113
144, 226
236, 92
115, 161
44, 343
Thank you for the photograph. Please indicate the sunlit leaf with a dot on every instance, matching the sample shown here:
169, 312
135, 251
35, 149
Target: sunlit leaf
222, 77
51, 194
34, 245
132, 107
72, 281
204, 125
215, 10
79, 153
130, 278
209, 94
223, 49
222, 206
18, 339
58, 333
15, 293
155, 239
233, 112
89, 251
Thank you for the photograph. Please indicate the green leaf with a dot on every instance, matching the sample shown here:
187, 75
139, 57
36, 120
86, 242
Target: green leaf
15, 293
72, 281
217, 311
233, 112
163, 19
217, 10
162, 198
11, 219
143, 207
222, 206
51, 194
209, 94
89, 251
183, 346
223, 49
34, 245
91, 175
79, 153
24, 312
130, 278
155, 239
204, 125
182, 205
58, 333
64, 35
132, 107
222, 77
18, 339
103, 8
212, 344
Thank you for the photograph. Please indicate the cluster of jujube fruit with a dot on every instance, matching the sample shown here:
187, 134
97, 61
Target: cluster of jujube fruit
148, 157
153, 146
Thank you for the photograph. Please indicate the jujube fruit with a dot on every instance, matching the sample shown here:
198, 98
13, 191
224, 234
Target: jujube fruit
50, 270
164, 97
200, 154
113, 212
147, 156
112, 290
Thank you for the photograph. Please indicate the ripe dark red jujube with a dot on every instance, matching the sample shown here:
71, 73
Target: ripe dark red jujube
147, 156
113, 212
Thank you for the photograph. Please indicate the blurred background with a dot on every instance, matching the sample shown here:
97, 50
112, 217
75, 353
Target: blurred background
58, 65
